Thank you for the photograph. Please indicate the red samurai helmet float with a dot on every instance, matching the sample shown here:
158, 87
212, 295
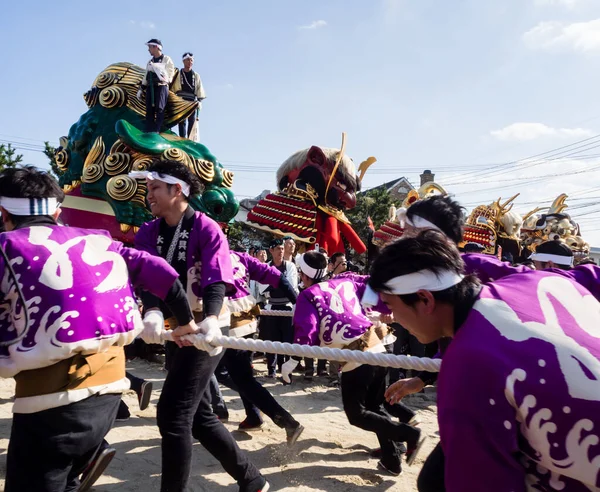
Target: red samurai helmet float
315, 186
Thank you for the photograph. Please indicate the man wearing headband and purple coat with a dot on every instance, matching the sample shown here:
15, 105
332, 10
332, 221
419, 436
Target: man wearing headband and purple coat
519, 388
330, 314
188, 85
159, 74
69, 364
197, 249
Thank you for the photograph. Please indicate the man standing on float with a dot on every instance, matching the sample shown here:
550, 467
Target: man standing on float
196, 247
159, 74
188, 85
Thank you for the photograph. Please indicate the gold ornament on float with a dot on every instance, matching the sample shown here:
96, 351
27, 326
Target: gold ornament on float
227, 178
141, 164
96, 154
91, 174
121, 187
62, 159
105, 79
112, 97
117, 163
204, 169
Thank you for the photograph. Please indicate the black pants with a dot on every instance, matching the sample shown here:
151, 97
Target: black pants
183, 132
239, 367
48, 450
309, 366
135, 382
363, 392
155, 107
406, 344
431, 478
277, 329
399, 410
183, 411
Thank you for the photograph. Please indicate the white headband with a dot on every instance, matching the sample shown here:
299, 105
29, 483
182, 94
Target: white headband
29, 206
314, 273
159, 46
558, 259
422, 280
416, 222
165, 178
188, 57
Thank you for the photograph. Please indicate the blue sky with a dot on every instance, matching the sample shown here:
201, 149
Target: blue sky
456, 87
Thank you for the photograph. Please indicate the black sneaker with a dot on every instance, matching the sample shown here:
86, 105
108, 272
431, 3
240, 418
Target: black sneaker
96, 468
249, 426
144, 395
392, 470
377, 454
293, 433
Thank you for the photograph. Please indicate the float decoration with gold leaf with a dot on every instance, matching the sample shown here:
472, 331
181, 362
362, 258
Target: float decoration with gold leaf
107, 143
555, 225
391, 229
315, 187
494, 226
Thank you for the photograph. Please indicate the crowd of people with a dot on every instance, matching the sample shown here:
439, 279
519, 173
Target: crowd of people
518, 392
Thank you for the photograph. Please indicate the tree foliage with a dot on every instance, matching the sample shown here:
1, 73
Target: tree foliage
49, 153
374, 204
242, 237
9, 157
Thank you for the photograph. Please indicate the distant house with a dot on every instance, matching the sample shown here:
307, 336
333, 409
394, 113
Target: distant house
399, 188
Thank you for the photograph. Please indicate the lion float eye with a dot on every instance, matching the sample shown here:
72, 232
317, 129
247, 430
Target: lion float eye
342, 186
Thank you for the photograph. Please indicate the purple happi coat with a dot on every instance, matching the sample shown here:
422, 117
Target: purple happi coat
79, 287
330, 314
488, 268
246, 268
519, 389
208, 260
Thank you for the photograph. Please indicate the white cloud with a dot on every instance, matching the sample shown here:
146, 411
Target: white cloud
582, 37
570, 4
314, 25
143, 24
521, 132
229, 86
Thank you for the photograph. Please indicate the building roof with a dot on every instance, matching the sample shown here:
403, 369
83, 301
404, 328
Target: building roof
392, 184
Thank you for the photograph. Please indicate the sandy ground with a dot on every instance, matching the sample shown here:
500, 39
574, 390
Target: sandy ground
330, 456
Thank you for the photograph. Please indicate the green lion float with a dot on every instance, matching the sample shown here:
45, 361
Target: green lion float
106, 144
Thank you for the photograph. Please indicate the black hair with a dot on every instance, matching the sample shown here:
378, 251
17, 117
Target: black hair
318, 261
335, 256
28, 182
442, 211
275, 242
555, 248
473, 248
428, 250
527, 263
180, 171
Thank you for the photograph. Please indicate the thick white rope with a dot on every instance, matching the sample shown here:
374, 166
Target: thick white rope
341, 355
276, 313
